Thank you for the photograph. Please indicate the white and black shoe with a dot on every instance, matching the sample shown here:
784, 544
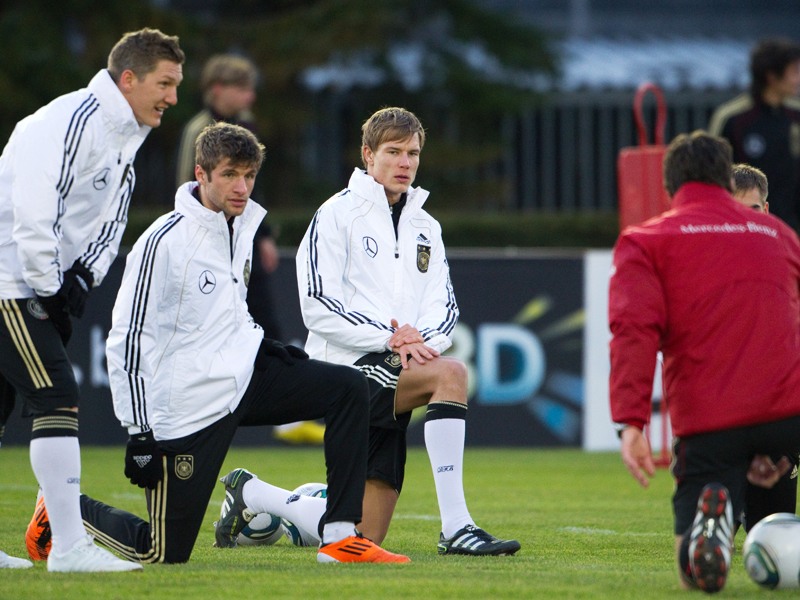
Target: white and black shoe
475, 541
711, 540
234, 514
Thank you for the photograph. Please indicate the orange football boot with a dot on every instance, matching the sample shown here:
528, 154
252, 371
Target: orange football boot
38, 537
357, 548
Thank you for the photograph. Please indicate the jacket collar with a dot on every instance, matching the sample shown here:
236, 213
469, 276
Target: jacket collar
119, 114
365, 186
187, 204
695, 191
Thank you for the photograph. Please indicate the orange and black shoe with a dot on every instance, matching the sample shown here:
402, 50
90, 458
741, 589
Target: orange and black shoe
38, 537
357, 548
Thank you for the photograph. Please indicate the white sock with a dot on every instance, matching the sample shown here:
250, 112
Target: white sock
288, 426
337, 530
444, 440
303, 511
56, 462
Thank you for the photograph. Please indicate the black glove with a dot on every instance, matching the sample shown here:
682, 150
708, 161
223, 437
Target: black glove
77, 283
143, 460
57, 311
288, 354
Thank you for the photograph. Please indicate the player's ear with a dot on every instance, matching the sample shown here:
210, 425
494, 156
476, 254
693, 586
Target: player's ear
368, 155
127, 79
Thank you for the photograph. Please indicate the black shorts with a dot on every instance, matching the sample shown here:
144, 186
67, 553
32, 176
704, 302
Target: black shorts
387, 433
33, 360
724, 457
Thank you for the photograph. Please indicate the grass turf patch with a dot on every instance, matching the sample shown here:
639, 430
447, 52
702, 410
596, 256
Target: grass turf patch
587, 531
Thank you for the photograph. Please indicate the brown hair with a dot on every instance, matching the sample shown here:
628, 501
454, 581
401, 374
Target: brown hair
227, 69
140, 52
697, 156
770, 56
221, 140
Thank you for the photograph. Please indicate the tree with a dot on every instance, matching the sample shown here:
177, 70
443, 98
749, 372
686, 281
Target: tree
326, 65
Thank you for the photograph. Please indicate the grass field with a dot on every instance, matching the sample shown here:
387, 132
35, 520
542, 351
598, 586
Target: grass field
587, 531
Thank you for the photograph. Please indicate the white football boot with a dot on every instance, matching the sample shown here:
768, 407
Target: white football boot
86, 557
9, 562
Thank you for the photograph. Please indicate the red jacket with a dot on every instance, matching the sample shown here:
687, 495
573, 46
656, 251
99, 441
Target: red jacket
715, 286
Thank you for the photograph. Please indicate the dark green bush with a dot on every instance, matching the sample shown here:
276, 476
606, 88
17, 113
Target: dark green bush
530, 230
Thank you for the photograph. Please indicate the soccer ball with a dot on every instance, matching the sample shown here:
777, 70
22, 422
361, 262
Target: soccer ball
772, 551
297, 535
263, 530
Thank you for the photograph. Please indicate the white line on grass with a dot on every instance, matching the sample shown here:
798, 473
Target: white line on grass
596, 531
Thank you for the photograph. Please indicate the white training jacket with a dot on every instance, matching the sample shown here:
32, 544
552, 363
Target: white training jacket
354, 277
182, 344
66, 179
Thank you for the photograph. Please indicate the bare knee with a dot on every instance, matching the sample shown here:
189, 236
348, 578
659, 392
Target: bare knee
453, 380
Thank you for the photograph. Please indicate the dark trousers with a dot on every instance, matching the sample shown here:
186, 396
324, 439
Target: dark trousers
724, 457
761, 502
279, 394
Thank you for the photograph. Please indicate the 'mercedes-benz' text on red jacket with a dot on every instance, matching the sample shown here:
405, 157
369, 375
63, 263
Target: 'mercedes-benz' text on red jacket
715, 287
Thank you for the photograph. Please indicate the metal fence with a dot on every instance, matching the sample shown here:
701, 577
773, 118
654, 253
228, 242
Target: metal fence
558, 157
562, 157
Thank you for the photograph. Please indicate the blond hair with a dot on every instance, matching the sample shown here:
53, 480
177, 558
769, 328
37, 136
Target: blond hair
389, 125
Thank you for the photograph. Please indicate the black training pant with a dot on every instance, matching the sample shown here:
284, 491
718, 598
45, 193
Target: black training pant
281, 393
724, 457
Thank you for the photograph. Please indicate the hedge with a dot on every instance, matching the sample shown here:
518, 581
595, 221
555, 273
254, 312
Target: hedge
529, 230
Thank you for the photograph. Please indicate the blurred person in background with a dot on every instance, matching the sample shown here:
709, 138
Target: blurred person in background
763, 124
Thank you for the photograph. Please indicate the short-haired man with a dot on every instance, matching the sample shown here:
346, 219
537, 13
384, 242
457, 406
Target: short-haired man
66, 179
691, 284
750, 187
228, 83
375, 294
187, 366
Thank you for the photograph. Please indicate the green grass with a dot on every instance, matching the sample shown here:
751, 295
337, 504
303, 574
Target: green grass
587, 531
